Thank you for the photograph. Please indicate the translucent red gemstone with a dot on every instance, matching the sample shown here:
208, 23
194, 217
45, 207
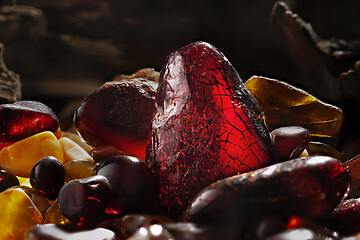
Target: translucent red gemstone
206, 126
25, 118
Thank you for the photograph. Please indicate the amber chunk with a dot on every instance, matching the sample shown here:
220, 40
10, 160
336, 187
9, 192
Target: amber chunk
346, 217
78, 169
54, 215
353, 165
17, 214
306, 187
25, 118
68, 232
72, 151
126, 226
206, 125
78, 140
20, 157
285, 105
39, 200
119, 114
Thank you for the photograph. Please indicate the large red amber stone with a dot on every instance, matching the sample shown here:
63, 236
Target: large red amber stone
206, 126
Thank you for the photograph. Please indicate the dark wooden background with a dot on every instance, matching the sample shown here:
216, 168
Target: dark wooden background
65, 49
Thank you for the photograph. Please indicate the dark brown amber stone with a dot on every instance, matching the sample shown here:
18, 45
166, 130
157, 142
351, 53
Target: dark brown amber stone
83, 201
206, 126
134, 189
346, 217
306, 187
190, 231
119, 114
126, 226
7, 180
25, 118
67, 232
285, 105
289, 142
47, 177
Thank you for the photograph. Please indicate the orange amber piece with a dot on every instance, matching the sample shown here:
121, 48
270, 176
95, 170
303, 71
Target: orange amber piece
285, 105
78, 169
54, 215
72, 151
20, 157
18, 214
39, 200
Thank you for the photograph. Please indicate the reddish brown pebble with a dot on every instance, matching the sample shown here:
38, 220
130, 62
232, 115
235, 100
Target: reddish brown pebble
25, 118
289, 142
126, 226
119, 114
306, 187
346, 217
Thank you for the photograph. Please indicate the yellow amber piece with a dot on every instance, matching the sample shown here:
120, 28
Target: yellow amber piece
41, 202
72, 151
24, 181
76, 138
54, 215
285, 105
78, 169
20, 157
17, 214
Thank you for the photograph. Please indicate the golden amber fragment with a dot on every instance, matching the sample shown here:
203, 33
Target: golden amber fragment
41, 202
76, 138
72, 151
285, 105
78, 169
54, 215
24, 181
18, 214
20, 157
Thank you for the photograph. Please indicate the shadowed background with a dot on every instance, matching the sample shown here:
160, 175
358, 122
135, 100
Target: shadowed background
65, 49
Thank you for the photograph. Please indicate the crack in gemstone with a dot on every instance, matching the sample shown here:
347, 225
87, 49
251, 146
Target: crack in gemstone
214, 130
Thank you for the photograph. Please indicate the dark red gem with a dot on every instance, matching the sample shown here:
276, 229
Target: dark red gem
118, 114
289, 142
25, 118
207, 126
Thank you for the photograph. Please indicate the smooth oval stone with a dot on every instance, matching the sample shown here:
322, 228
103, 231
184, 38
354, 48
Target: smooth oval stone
83, 201
346, 217
126, 226
25, 118
64, 232
289, 142
306, 187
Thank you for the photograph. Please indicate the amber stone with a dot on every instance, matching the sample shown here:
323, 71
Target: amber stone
306, 187
54, 215
83, 201
39, 200
18, 213
126, 226
286, 105
25, 118
346, 217
206, 126
353, 165
78, 169
289, 142
67, 232
20, 157
7, 180
133, 187
119, 113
